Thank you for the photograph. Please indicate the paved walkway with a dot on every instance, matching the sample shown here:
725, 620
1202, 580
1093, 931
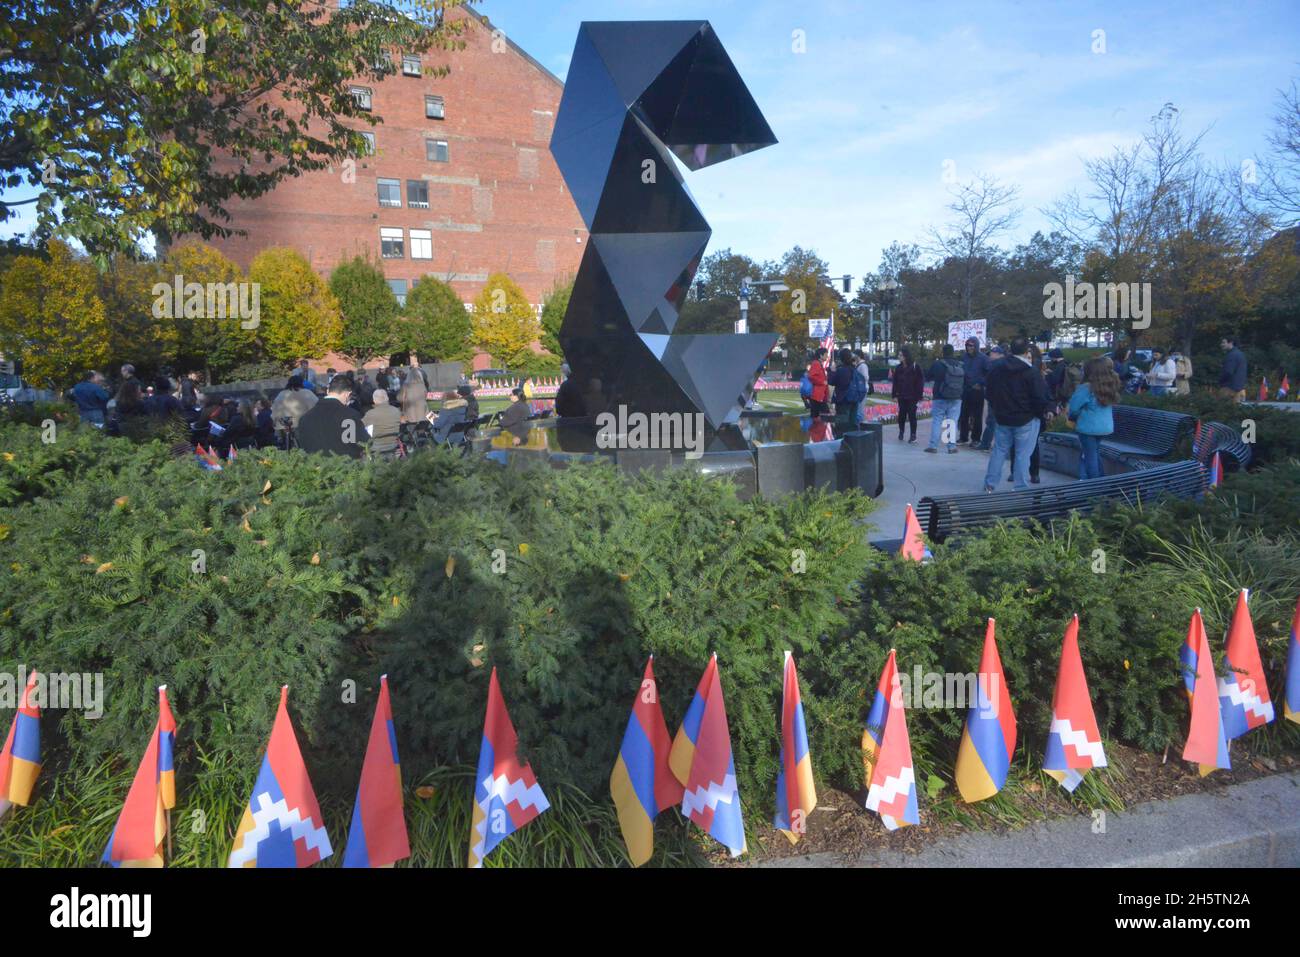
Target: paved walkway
911, 473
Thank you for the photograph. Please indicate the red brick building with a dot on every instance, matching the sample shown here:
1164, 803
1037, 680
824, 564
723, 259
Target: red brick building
461, 182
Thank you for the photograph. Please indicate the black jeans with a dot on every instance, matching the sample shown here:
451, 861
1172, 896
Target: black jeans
970, 425
906, 414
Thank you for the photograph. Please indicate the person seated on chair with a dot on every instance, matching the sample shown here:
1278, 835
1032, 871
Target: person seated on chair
454, 412
330, 426
383, 422
515, 418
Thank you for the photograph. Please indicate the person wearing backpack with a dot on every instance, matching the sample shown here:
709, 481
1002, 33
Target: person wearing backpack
949, 378
849, 389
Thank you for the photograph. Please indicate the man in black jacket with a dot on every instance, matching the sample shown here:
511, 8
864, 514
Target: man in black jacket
330, 426
1232, 377
1018, 396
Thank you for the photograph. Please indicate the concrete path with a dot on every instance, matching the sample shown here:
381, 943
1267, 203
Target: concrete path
1256, 824
911, 473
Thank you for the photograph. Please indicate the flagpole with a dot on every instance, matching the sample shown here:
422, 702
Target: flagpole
169, 835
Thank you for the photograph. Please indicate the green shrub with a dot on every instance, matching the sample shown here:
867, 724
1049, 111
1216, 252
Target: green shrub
1277, 432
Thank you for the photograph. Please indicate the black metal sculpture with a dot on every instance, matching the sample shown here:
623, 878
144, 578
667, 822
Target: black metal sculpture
636, 92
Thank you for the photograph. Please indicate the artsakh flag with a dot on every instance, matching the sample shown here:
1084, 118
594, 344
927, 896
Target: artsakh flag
1284, 388
231, 455
795, 794
1206, 744
1196, 441
1243, 689
1073, 743
913, 546
642, 784
141, 829
20, 761
701, 758
282, 824
377, 837
1216, 471
891, 782
1263, 389
506, 793
1291, 692
989, 738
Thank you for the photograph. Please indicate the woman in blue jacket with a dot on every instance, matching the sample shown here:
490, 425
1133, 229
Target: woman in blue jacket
1090, 411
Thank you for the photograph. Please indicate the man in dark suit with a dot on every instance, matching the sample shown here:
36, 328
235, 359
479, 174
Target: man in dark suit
330, 426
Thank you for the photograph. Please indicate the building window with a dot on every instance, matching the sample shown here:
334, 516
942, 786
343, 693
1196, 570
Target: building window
410, 64
399, 290
390, 243
362, 95
370, 144
384, 63
434, 109
436, 151
417, 194
421, 244
390, 192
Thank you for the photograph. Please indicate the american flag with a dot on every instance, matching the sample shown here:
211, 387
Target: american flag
828, 343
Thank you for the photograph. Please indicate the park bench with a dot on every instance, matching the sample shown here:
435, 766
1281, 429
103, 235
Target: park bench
945, 516
1224, 439
1150, 433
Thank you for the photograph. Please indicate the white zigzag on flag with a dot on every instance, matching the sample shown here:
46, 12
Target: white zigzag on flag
893, 786
508, 791
710, 796
1092, 750
1240, 697
290, 819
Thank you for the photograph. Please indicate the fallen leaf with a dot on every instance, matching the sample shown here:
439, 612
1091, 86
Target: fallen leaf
60, 830
103, 568
120, 501
623, 576
396, 601
9, 456
425, 791
450, 567
267, 487
245, 526
88, 559
523, 548
315, 559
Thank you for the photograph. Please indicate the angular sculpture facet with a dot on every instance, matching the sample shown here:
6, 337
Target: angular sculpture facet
638, 94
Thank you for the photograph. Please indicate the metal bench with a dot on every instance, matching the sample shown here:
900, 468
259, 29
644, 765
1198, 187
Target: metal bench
944, 516
1153, 433
1224, 439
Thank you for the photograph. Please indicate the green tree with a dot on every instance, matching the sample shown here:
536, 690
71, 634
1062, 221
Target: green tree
369, 310
123, 116
135, 334
554, 307
299, 315
52, 318
435, 324
808, 297
505, 325
211, 334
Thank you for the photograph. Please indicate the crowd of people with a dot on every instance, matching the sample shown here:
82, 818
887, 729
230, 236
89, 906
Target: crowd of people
999, 399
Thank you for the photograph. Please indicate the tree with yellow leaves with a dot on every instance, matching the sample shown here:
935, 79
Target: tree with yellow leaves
807, 298
51, 317
505, 325
300, 317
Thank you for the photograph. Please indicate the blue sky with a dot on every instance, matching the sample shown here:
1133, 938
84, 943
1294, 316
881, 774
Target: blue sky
887, 92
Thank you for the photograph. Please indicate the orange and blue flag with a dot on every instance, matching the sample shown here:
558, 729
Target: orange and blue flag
282, 824
702, 760
913, 545
795, 794
1216, 471
20, 761
1291, 691
1243, 688
1284, 387
887, 752
141, 829
1073, 743
989, 738
1263, 389
1206, 744
506, 793
642, 784
377, 837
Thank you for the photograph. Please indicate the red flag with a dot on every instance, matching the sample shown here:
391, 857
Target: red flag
1206, 744
141, 828
378, 834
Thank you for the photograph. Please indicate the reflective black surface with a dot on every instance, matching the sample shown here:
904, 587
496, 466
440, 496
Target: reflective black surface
638, 94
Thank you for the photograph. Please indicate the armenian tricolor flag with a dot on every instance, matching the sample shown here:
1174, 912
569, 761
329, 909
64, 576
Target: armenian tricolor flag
701, 758
1216, 471
506, 793
1284, 387
795, 795
1243, 689
377, 837
1263, 389
1206, 744
642, 784
141, 828
282, 825
887, 751
20, 761
1073, 743
913, 546
989, 739
1291, 692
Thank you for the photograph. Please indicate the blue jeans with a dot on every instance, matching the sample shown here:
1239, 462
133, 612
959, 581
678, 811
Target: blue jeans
1160, 390
1023, 438
1090, 457
942, 410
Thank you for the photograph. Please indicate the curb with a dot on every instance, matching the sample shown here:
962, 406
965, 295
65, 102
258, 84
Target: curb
1255, 824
